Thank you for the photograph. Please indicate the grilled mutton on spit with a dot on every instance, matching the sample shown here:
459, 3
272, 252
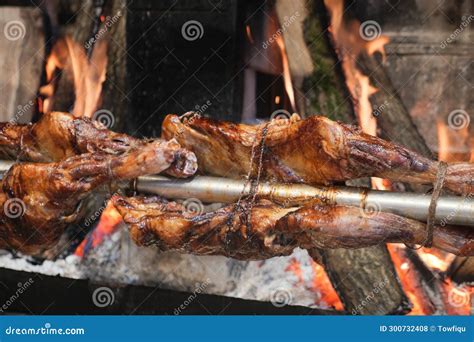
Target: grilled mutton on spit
261, 230
57, 136
315, 150
39, 200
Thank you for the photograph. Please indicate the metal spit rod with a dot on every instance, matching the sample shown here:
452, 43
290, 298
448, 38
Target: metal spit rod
455, 210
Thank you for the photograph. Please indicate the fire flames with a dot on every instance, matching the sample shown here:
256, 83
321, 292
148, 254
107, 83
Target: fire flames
108, 223
286, 72
320, 284
68, 59
89, 73
350, 41
86, 74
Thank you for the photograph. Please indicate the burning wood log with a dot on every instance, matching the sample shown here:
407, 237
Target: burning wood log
260, 230
462, 270
365, 280
322, 90
83, 68
393, 117
40, 200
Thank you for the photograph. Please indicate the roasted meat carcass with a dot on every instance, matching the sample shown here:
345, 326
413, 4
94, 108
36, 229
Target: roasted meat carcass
39, 200
260, 230
315, 150
57, 136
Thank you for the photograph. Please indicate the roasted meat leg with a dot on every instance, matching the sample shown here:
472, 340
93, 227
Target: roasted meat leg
264, 230
315, 151
57, 136
40, 199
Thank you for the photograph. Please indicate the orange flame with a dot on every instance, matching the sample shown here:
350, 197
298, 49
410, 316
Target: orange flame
410, 283
350, 43
108, 223
87, 75
453, 144
286, 72
320, 284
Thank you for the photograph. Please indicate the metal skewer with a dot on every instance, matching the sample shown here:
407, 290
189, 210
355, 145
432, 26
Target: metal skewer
450, 210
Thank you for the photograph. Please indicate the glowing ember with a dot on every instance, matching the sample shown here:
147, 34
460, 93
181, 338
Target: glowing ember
410, 283
320, 284
108, 223
435, 259
295, 268
458, 299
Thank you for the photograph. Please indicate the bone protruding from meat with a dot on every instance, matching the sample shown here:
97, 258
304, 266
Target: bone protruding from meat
57, 136
39, 200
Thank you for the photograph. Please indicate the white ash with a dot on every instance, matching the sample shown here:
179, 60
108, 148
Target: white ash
118, 261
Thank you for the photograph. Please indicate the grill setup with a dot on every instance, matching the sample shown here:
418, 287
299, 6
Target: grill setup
387, 230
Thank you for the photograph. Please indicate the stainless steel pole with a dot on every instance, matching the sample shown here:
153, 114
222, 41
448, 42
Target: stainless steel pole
455, 210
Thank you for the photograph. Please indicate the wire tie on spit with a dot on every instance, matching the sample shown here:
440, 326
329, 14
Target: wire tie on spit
430, 221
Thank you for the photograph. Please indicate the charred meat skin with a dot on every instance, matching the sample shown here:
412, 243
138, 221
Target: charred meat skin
50, 193
315, 150
264, 229
57, 136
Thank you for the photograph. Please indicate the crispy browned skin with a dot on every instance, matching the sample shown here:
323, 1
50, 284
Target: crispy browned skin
50, 193
315, 150
57, 136
266, 230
